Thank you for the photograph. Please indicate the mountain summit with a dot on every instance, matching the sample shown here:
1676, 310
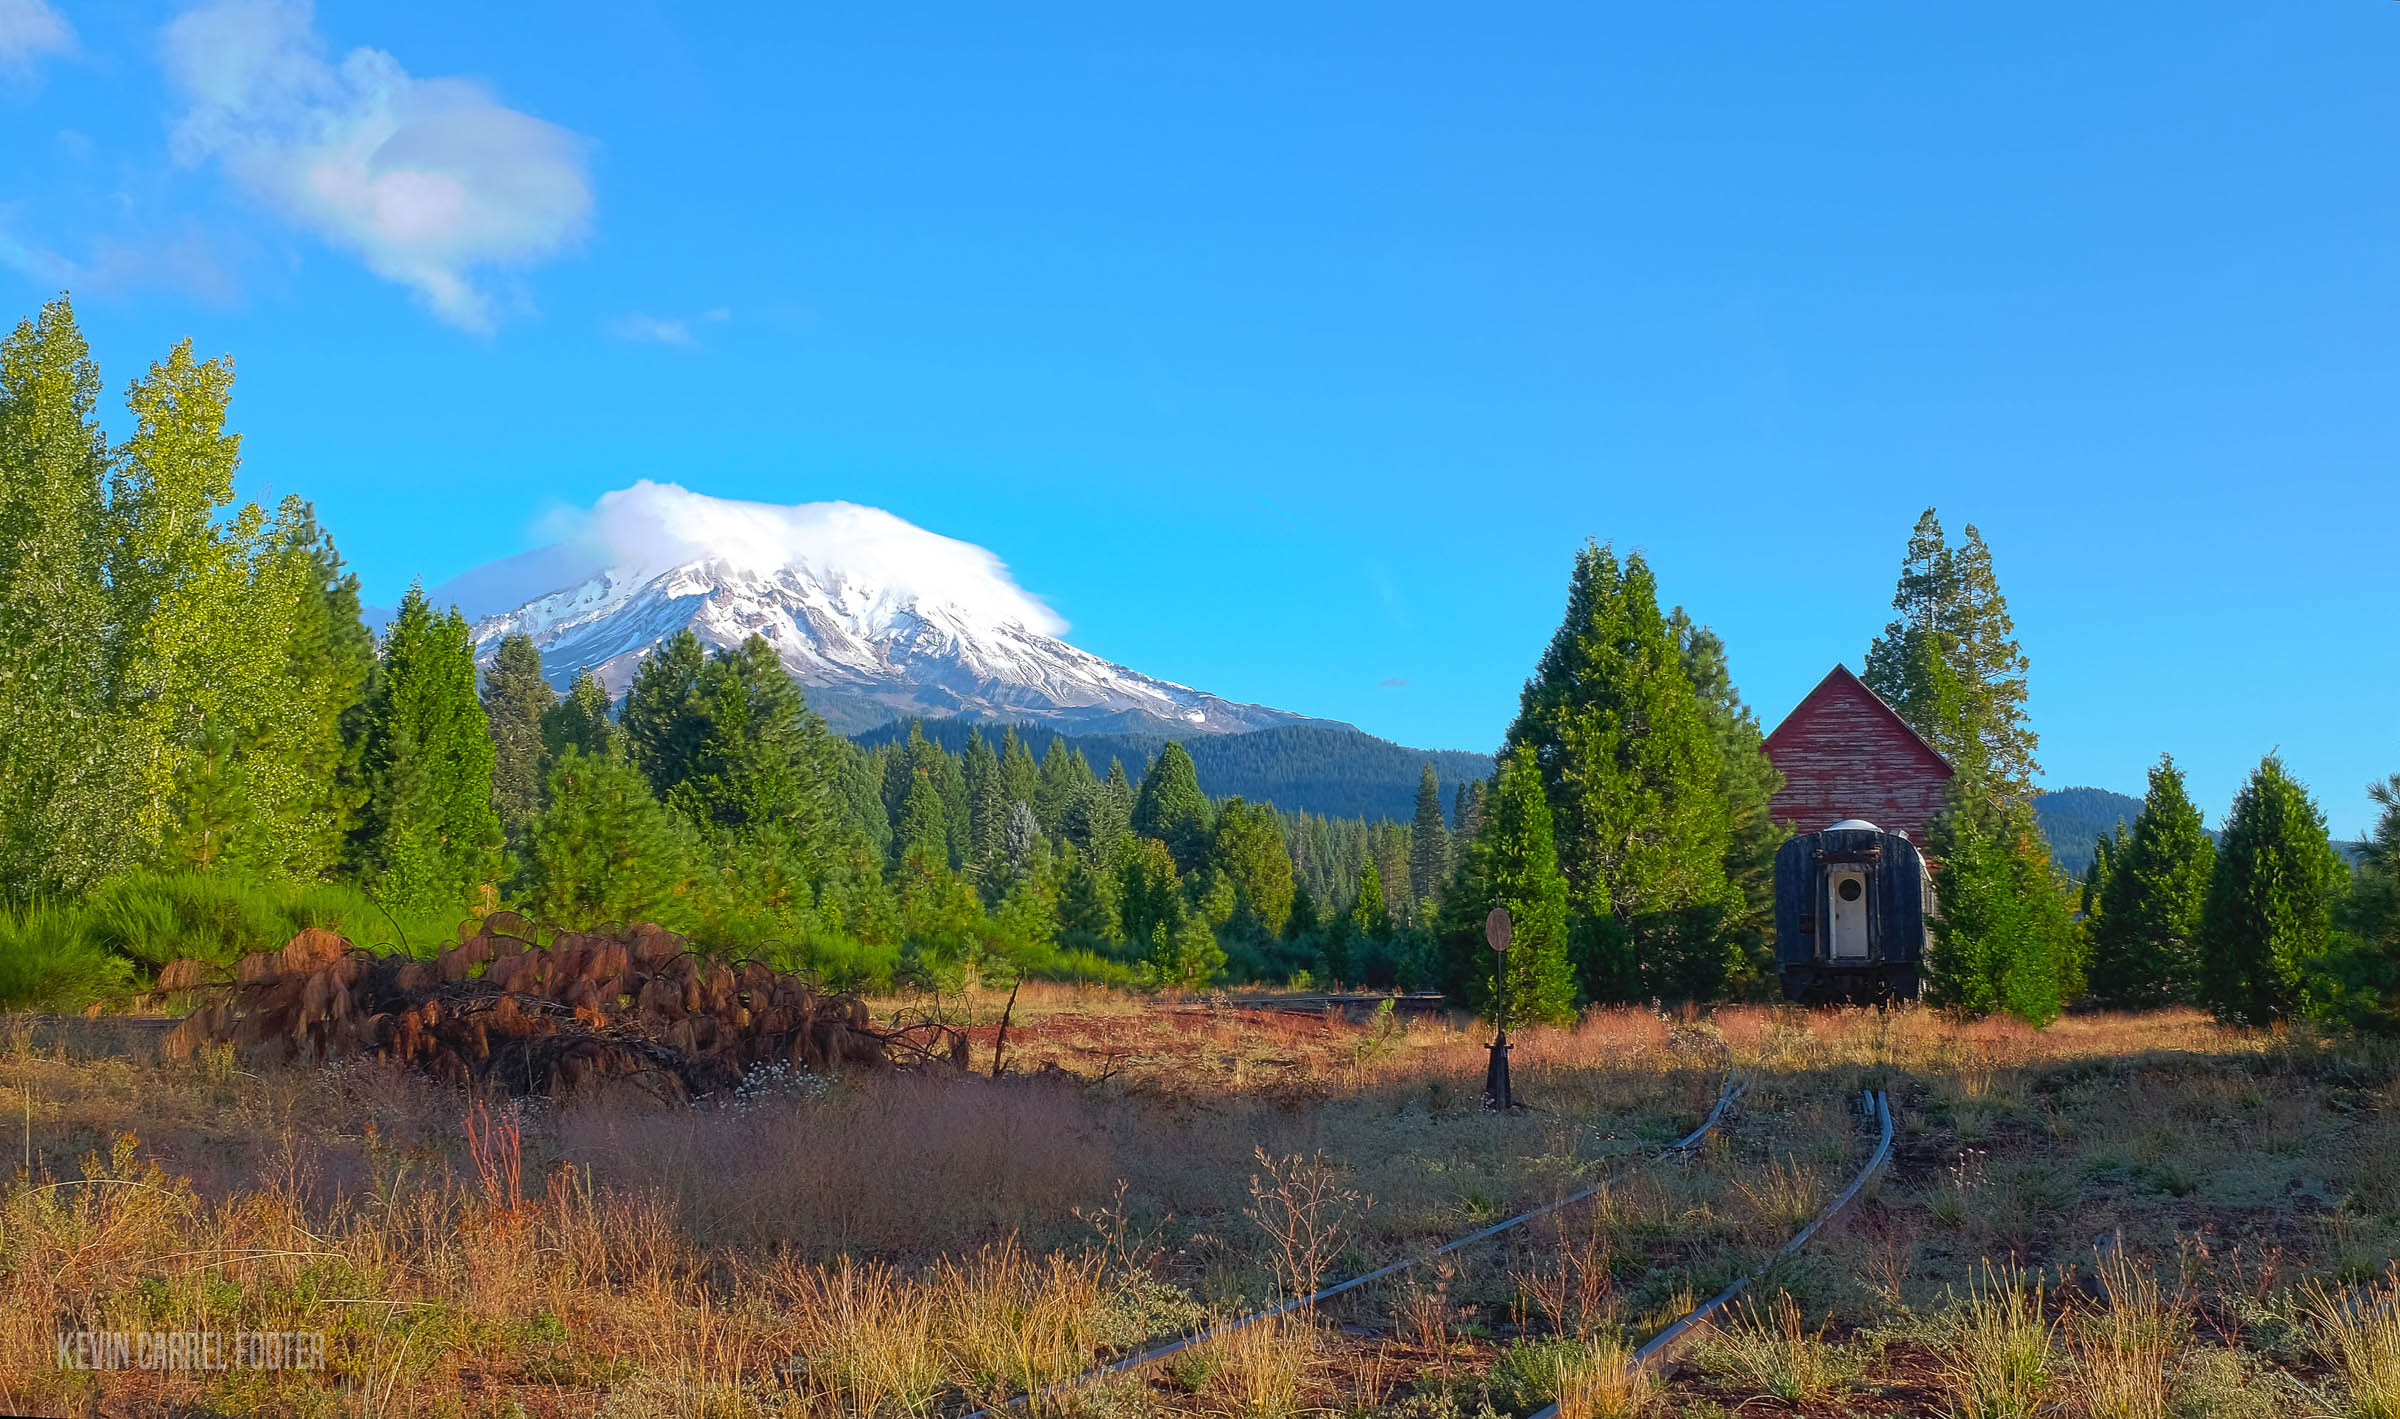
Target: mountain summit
878, 618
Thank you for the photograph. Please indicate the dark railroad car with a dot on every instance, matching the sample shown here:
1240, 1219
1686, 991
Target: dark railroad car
1850, 909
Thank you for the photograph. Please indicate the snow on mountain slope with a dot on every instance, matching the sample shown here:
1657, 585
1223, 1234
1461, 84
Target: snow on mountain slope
877, 617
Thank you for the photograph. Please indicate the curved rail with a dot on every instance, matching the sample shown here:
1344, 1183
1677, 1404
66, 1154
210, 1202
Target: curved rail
1662, 1346
1725, 1097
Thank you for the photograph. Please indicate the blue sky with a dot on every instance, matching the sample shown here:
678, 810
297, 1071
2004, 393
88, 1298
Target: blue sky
1290, 351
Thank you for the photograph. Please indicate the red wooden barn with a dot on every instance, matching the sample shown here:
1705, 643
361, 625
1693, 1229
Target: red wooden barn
1844, 754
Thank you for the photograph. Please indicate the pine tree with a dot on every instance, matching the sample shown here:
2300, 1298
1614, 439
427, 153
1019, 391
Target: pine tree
1021, 845
1066, 775
1429, 841
2143, 919
322, 735
1149, 891
515, 697
65, 821
1747, 781
2004, 939
429, 833
759, 759
661, 721
602, 848
2266, 925
1171, 808
1632, 767
1020, 781
1195, 959
1512, 862
1950, 665
1088, 902
580, 720
987, 808
1466, 814
2370, 914
1249, 850
1370, 914
924, 829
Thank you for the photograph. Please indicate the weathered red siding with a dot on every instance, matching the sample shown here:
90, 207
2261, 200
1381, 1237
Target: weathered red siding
1844, 753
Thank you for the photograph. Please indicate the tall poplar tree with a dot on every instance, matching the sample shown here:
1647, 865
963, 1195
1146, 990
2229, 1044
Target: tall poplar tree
65, 818
515, 697
1512, 862
2266, 926
429, 833
1632, 768
2152, 885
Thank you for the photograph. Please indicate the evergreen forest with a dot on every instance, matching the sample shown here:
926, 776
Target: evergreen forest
204, 747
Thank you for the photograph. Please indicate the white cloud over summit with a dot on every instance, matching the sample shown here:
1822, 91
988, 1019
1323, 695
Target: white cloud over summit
428, 181
650, 527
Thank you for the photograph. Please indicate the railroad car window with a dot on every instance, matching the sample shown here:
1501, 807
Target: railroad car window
1850, 889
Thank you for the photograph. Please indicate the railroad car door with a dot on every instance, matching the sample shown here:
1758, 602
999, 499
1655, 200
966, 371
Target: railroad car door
1846, 911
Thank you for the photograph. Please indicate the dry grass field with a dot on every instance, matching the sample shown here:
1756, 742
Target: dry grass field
2117, 1216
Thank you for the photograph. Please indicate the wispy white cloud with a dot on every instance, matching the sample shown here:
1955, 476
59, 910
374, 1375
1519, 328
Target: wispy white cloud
182, 258
31, 31
430, 182
666, 330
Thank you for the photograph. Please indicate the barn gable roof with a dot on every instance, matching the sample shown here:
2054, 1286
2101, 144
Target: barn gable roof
1840, 684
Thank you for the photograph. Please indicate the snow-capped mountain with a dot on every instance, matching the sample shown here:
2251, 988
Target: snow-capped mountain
879, 619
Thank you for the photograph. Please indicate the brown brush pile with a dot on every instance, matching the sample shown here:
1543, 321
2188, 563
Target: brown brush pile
629, 1003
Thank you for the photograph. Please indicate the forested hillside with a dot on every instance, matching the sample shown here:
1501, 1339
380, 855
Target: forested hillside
1337, 772
2073, 819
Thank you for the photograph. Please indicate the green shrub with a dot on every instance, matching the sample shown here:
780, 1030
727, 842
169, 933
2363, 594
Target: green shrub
50, 959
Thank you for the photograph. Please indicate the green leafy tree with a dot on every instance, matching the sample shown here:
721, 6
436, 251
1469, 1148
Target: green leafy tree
430, 833
65, 816
1950, 665
1171, 808
2266, 925
580, 720
515, 697
2143, 919
1632, 767
2004, 938
602, 848
1511, 862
